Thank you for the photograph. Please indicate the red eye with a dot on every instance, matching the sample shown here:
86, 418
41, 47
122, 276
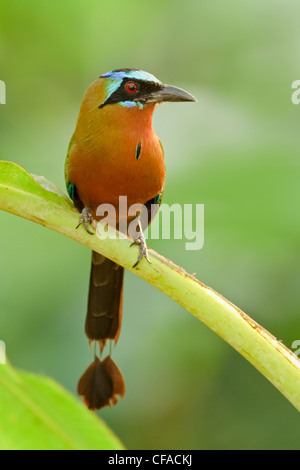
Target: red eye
131, 87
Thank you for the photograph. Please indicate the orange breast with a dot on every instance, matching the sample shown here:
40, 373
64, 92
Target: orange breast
102, 159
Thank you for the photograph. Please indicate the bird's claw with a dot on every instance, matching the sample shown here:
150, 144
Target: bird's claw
86, 219
141, 242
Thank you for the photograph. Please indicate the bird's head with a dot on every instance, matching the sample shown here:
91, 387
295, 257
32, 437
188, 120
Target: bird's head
123, 101
132, 88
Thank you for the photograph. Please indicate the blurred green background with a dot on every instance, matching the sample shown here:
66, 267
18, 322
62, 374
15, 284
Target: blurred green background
236, 151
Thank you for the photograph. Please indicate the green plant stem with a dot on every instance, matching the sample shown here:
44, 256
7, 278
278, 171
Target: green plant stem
23, 196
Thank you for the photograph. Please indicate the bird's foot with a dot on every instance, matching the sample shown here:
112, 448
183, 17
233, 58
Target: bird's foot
86, 219
141, 242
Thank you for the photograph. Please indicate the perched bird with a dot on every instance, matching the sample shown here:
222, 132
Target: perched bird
114, 152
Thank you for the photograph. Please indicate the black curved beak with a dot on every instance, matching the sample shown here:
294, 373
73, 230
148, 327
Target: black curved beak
170, 93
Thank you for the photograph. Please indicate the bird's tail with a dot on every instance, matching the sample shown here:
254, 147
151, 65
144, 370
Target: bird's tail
102, 381
104, 313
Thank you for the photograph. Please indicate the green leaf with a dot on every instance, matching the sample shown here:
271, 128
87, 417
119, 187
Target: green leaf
37, 413
22, 195
28, 191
